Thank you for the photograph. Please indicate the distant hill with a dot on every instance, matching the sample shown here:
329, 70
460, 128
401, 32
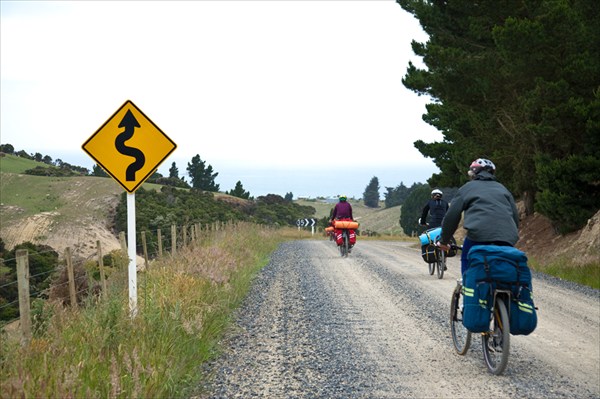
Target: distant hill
77, 211
381, 220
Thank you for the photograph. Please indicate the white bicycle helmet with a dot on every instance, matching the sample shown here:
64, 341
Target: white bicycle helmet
482, 164
437, 191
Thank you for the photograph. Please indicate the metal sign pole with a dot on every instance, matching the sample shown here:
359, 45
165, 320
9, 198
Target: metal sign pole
131, 253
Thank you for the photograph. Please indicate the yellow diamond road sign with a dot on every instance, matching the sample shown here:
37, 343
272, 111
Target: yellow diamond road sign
129, 146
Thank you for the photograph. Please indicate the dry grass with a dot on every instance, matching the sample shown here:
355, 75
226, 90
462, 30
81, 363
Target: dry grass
184, 305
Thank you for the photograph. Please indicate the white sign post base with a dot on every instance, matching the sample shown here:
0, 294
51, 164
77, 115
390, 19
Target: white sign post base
131, 253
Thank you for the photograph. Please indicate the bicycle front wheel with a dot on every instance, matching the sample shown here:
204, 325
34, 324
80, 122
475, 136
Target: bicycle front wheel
431, 268
461, 337
496, 342
441, 263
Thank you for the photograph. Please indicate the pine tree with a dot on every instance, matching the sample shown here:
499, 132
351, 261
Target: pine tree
371, 194
174, 171
239, 191
202, 176
516, 82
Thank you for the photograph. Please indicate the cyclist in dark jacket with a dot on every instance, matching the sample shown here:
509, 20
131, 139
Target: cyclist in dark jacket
436, 207
490, 212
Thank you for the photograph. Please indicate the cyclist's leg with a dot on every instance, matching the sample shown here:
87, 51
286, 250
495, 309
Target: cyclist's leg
464, 263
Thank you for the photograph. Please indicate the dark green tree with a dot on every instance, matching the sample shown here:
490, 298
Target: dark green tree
514, 81
239, 191
23, 154
395, 195
202, 176
412, 208
7, 148
174, 171
98, 171
371, 194
570, 190
289, 196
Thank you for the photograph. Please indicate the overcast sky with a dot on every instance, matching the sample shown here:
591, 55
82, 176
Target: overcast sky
286, 96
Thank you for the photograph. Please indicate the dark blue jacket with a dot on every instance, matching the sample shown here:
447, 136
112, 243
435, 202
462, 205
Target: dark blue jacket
436, 209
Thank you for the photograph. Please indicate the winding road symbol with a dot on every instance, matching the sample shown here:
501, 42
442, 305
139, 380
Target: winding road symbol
129, 146
130, 123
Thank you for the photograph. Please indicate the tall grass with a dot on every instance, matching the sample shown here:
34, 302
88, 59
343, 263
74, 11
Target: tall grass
585, 274
184, 306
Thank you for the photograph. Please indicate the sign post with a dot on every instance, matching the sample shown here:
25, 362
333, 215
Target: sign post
129, 147
305, 223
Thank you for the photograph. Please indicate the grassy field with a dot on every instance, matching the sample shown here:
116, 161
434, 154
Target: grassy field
14, 164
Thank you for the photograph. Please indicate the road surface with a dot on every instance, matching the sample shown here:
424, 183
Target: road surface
375, 325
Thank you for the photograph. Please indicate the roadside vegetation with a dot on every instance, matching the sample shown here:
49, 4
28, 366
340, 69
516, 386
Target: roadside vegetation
184, 305
587, 274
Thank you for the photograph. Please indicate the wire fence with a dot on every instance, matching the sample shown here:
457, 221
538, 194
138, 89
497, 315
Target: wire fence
69, 280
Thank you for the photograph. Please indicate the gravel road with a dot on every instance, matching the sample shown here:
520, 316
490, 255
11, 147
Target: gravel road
375, 325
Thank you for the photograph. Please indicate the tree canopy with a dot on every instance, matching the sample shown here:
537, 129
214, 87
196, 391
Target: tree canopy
239, 191
202, 176
371, 194
517, 82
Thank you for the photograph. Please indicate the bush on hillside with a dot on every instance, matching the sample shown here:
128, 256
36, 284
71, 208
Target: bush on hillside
43, 261
160, 210
51, 171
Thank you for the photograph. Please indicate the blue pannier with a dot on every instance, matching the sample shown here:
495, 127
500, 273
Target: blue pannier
504, 267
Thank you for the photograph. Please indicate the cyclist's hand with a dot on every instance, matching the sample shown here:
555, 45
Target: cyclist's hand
443, 247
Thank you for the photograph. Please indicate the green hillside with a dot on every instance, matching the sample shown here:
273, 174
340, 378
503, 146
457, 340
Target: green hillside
15, 164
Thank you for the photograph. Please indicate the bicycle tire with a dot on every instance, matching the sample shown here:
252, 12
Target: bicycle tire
441, 263
344, 246
496, 342
431, 268
461, 337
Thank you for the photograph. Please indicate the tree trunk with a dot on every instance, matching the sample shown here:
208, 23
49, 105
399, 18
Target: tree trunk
528, 200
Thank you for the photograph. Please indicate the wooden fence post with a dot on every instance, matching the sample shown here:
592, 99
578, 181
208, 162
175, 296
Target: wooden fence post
173, 240
145, 248
159, 238
123, 242
184, 231
23, 287
101, 267
71, 275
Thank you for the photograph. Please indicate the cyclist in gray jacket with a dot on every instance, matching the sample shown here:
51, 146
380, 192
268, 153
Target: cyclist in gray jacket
490, 213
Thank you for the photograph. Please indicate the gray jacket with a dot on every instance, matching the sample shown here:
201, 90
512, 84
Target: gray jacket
490, 212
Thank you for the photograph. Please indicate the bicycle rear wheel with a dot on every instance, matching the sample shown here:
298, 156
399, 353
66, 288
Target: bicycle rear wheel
461, 337
441, 262
345, 244
496, 342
